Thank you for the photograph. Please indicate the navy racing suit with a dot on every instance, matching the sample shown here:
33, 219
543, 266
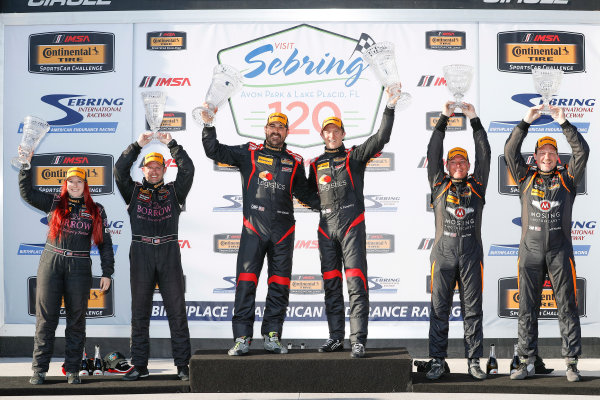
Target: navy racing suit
338, 177
270, 179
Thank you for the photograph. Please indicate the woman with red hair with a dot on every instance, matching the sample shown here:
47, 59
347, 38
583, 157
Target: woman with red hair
65, 269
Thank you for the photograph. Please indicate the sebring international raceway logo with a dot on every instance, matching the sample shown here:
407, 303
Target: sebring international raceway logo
575, 108
82, 113
309, 74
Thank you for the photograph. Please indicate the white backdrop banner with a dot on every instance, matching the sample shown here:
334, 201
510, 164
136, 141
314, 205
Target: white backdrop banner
87, 81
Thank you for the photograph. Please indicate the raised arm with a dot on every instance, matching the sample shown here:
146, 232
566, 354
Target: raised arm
38, 199
579, 147
185, 167
512, 149
435, 149
123, 169
483, 152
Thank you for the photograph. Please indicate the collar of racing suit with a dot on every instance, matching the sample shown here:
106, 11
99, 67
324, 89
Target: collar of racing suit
267, 146
152, 186
73, 200
340, 149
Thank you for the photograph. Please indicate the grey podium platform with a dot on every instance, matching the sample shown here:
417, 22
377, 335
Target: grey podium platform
301, 371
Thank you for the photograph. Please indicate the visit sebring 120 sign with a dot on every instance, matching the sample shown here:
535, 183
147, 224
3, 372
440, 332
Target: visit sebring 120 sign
309, 74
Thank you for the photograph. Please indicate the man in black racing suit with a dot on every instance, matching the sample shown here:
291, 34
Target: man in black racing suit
547, 192
155, 256
337, 176
271, 176
457, 254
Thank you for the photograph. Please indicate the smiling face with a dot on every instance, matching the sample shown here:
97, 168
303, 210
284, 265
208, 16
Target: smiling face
458, 167
546, 157
75, 187
333, 136
275, 134
154, 172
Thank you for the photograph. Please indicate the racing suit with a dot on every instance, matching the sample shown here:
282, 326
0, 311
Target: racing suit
545, 247
338, 177
270, 177
155, 256
65, 270
457, 253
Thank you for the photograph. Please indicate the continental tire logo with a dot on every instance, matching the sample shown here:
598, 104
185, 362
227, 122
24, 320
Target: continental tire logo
519, 51
508, 299
508, 186
380, 243
100, 304
172, 121
306, 284
445, 40
382, 162
71, 53
457, 122
226, 243
49, 171
166, 41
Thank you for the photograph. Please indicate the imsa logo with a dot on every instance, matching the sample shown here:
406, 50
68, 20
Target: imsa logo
445, 40
519, 51
100, 304
166, 41
71, 53
426, 244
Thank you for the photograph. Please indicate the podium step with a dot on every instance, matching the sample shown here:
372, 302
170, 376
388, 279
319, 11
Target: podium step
301, 371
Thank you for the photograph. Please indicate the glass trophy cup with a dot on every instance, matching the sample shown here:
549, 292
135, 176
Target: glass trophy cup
458, 79
226, 82
154, 108
34, 129
547, 82
382, 59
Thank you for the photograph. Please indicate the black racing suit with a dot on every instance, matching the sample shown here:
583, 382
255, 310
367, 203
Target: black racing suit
155, 256
270, 177
338, 176
457, 253
65, 270
546, 209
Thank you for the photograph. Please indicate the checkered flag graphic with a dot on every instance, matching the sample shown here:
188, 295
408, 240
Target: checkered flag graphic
364, 42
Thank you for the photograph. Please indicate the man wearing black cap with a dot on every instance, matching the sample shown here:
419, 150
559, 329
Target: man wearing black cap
457, 254
271, 176
155, 256
547, 192
338, 177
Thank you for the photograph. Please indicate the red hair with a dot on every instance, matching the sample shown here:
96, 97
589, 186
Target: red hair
61, 214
